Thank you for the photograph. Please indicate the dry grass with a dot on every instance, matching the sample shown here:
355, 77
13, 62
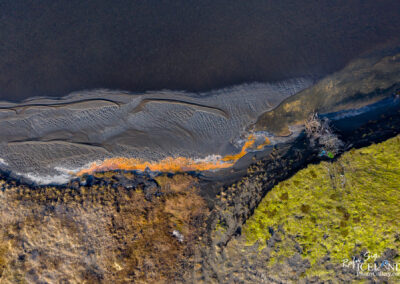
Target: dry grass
320, 133
102, 233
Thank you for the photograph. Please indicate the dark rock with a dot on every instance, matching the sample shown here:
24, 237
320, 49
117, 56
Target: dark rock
298, 264
298, 248
21, 257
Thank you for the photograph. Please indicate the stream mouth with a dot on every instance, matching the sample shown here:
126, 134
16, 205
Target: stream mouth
355, 128
217, 133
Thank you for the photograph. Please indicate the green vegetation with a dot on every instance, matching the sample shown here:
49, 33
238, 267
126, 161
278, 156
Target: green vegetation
335, 209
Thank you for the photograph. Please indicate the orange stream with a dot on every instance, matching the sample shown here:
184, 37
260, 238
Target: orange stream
170, 164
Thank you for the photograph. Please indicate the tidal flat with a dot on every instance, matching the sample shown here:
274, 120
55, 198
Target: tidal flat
51, 141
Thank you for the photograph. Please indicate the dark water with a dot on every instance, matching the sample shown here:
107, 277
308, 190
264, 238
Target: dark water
54, 47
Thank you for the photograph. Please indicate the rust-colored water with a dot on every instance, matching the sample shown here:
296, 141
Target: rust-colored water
171, 164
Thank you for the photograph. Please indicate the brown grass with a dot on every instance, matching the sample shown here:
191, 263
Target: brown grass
103, 233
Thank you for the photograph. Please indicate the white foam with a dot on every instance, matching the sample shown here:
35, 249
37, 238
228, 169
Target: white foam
46, 179
3, 162
209, 159
71, 171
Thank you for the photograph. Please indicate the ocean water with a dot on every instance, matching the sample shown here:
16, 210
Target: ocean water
55, 47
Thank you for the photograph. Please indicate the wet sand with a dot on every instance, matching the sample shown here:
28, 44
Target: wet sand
51, 140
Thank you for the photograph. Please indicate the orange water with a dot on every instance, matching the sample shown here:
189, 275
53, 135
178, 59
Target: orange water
170, 164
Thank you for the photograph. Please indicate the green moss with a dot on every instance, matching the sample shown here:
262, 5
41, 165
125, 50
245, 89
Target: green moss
221, 227
334, 209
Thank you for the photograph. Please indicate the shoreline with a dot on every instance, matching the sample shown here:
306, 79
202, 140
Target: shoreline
50, 141
88, 127
342, 123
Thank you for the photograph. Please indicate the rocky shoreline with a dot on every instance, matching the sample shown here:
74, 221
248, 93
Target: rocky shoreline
237, 202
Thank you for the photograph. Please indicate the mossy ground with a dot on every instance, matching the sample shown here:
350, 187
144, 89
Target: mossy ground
335, 209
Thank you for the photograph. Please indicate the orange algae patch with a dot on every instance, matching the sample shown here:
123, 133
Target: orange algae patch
170, 164
266, 142
249, 143
165, 165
